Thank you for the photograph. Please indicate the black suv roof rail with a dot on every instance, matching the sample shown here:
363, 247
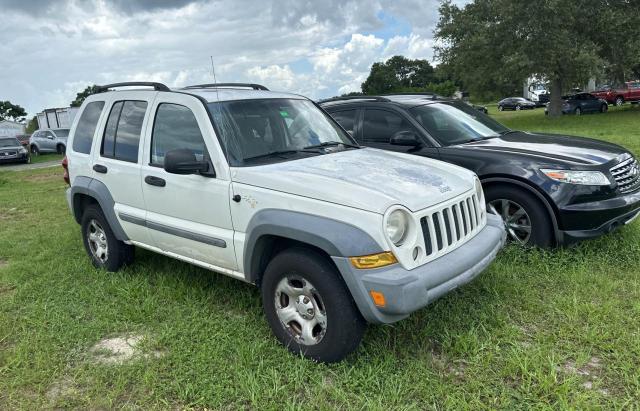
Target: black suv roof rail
363, 97
156, 86
433, 96
219, 85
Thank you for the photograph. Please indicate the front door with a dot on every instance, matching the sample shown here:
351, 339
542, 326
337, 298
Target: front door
187, 215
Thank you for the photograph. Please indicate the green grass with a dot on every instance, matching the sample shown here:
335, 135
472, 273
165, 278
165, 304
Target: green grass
46, 157
539, 329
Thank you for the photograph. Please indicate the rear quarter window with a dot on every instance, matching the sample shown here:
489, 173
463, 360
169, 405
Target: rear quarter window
86, 127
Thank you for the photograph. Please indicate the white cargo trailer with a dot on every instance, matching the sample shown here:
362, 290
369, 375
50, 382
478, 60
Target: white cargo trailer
57, 117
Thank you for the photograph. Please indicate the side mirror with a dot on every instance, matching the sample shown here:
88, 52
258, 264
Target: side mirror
405, 138
183, 161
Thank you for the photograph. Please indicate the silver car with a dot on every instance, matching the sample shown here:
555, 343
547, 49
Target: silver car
53, 140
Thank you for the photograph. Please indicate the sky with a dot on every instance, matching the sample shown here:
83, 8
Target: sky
50, 50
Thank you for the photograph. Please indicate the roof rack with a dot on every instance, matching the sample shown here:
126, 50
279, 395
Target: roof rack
219, 85
433, 96
363, 97
156, 86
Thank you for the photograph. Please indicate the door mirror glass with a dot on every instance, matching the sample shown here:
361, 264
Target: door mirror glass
183, 161
405, 138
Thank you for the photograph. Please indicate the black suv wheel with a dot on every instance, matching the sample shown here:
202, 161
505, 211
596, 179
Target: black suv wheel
308, 306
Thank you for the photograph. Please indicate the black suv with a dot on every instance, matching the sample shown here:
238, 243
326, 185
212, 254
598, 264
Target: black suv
549, 189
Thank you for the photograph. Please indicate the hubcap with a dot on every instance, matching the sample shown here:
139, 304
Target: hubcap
301, 310
516, 220
97, 241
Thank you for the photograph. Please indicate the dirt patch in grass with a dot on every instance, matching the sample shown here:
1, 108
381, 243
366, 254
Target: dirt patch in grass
6, 289
13, 213
3, 263
590, 371
61, 389
41, 178
121, 349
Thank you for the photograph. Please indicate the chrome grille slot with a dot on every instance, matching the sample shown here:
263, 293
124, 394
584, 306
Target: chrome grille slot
627, 175
450, 225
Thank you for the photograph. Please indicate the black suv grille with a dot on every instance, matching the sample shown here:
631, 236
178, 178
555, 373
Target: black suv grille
627, 175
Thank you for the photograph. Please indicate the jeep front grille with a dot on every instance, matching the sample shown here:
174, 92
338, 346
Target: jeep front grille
627, 175
447, 227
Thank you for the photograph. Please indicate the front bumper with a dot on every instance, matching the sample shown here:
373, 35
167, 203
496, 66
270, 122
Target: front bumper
588, 220
19, 158
406, 291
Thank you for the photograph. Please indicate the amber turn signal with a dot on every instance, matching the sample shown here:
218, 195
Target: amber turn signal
378, 298
374, 260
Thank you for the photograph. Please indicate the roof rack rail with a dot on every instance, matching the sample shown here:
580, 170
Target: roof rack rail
363, 97
156, 86
219, 85
433, 96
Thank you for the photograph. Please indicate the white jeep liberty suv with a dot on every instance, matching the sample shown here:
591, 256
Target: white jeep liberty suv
267, 188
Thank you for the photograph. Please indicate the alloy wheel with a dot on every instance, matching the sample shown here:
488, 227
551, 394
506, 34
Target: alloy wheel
619, 101
301, 310
515, 218
97, 239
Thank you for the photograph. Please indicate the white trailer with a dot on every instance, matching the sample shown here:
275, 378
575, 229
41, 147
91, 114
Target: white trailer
536, 90
57, 117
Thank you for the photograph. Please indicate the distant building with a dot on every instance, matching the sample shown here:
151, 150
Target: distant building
57, 117
11, 128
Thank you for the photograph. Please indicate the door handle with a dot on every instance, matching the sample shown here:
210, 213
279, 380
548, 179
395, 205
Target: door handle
99, 168
155, 181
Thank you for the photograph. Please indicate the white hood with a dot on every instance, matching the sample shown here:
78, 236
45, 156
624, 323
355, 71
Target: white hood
367, 179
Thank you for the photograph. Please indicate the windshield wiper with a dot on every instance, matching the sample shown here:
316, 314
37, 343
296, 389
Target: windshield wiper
332, 144
282, 153
504, 133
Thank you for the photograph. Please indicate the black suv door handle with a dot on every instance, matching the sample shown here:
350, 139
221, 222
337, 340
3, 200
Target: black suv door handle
99, 168
155, 181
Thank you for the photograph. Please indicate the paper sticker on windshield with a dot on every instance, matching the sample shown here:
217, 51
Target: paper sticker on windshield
284, 113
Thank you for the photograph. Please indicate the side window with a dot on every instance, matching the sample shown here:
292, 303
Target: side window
122, 132
86, 127
346, 118
47, 134
175, 127
381, 125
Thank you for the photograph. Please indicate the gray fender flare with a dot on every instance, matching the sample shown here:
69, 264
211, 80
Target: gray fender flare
99, 191
336, 238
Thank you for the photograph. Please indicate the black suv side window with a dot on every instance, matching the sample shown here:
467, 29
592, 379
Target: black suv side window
86, 127
347, 119
122, 132
175, 127
380, 125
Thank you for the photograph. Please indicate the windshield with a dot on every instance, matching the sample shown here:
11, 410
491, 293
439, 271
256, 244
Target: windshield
62, 132
455, 123
270, 130
9, 142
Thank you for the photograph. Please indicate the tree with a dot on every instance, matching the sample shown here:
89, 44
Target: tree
32, 125
398, 72
84, 94
11, 111
499, 42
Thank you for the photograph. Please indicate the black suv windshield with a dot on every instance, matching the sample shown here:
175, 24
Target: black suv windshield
456, 123
9, 142
268, 130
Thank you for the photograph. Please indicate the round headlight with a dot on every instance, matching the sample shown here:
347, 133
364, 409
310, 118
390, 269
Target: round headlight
397, 226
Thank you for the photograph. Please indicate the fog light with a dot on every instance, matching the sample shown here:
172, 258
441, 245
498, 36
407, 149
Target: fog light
374, 260
378, 298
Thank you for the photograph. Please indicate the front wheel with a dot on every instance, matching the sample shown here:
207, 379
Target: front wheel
35, 150
102, 246
604, 108
308, 306
619, 101
578, 111
524, 216
500, 108
518, 107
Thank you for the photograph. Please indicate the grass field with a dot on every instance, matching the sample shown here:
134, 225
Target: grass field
46, 157
539, 329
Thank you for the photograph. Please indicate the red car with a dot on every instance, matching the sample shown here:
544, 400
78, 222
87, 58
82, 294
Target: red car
618, 96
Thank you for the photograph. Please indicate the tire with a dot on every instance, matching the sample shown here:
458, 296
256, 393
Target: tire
35, 150
518, 107
604, 108
541, 232
500, 108
335, 328
116, 254
578, 111
61, 149
619, 101
28, 160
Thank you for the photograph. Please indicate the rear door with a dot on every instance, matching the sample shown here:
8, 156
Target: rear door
187, 215
117, 157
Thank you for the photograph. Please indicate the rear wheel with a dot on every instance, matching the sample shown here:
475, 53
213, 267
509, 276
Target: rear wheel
578, 111
60, 149
102, 246
308, 306
619, 101
524, 216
